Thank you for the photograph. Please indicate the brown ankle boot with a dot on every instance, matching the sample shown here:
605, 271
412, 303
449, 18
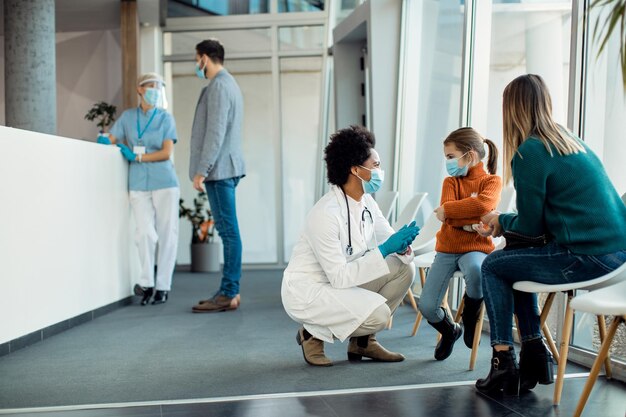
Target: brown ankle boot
370, 348
312, 349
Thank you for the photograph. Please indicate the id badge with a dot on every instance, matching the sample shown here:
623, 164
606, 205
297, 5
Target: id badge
139, 150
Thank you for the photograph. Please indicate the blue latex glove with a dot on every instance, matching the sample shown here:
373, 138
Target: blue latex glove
103, 140
399, 241
128, 154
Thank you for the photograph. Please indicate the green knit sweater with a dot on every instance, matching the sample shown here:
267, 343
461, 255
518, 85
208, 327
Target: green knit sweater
567, 197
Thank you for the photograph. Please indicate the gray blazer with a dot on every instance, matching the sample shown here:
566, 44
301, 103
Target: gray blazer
216, 132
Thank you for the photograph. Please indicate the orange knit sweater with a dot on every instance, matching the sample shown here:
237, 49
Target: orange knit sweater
464, 201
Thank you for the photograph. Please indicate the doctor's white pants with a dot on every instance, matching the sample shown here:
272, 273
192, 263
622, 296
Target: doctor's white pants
156, 218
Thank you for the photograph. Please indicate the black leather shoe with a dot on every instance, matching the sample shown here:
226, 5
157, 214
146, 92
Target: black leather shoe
535, 364
450, 332
160, 297
503, 375
144, 292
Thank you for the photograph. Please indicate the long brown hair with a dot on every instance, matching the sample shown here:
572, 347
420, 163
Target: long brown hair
467, 139
527, 111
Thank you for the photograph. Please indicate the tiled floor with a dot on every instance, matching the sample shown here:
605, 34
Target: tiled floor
607, 400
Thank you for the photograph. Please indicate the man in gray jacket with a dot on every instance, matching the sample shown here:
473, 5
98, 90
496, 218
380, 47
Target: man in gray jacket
217, 164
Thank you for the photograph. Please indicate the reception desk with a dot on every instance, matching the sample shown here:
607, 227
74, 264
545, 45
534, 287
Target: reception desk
66, 241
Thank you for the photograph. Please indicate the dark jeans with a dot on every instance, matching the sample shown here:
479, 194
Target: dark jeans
221, 196
551, 264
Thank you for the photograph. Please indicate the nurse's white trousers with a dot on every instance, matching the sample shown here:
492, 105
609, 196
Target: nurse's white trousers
156, 218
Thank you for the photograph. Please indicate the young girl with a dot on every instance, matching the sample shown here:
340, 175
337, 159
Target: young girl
467, 194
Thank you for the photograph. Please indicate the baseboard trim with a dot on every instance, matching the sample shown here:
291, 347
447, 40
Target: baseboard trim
54, 329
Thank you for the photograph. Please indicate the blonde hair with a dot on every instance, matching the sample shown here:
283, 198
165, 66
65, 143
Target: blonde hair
527, 111
468, 139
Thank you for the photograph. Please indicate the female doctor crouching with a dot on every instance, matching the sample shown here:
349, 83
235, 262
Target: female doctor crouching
146, 137
340, 282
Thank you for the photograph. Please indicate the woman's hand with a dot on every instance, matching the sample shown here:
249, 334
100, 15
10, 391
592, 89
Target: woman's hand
441, 214
490, 225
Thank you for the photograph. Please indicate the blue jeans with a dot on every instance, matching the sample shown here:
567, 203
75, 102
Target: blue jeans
439, 274
221, 196
551, 264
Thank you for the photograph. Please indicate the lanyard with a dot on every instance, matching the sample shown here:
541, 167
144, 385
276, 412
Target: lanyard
139, 131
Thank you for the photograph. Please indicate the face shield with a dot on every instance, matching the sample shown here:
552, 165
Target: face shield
160, 86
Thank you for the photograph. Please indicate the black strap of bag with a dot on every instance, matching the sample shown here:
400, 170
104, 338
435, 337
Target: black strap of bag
516, 240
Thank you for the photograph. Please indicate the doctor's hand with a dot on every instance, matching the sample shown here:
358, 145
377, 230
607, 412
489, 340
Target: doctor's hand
103, 139
198, 182
399, 241
128, 154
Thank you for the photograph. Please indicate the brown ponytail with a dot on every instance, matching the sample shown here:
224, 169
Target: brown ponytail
467, 139
492, 162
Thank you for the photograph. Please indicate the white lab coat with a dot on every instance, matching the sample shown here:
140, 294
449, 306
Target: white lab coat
320, 285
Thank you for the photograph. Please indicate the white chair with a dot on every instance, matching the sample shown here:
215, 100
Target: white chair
410, 211
593, 284
607, 301
386, 201
407, 216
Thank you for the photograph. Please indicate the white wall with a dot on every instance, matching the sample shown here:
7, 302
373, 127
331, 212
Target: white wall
88, 70
66, 245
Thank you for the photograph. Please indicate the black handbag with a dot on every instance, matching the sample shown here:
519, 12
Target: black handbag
516, 240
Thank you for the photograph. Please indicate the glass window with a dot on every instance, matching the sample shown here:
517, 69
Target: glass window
300, 94
256, 193
234, 41
527, 37
431, 96
287, 6
603, 115
187, 8
301, 37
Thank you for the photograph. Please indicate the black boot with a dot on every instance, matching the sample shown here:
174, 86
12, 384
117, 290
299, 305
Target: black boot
535, 364
160, 297
144, 292
503, 376
450, 332
471, 312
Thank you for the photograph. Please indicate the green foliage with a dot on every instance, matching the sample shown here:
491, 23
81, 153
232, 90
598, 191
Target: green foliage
602, 30
104, 113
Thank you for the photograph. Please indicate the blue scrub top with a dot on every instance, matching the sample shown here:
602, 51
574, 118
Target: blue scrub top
155, 126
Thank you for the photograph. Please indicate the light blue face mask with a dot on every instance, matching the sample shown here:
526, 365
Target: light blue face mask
452, 166
200, 71
152, 95
375, 182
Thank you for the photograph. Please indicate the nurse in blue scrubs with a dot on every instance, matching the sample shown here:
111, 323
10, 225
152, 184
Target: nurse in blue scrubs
146, 136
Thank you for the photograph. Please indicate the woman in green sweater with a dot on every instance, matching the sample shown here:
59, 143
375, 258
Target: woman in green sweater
558, 180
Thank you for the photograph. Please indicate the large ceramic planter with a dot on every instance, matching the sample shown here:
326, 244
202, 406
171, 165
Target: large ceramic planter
205, 257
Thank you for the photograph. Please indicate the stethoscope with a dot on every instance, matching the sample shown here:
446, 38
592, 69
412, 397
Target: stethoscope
349, 249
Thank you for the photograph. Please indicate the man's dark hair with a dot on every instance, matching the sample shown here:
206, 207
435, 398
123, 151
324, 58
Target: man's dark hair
348, 147
213, 49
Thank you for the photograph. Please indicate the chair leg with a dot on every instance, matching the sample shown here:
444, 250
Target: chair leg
390, 322
519, 333
477, 334
418, 318
544, 327
607, 361
459, 311
567, 332
597, 365
412, 299
551, 344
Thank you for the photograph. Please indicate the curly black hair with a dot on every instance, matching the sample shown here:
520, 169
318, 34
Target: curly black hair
347, 147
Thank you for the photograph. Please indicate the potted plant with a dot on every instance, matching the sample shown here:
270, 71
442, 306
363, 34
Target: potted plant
104, 113
205, 251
